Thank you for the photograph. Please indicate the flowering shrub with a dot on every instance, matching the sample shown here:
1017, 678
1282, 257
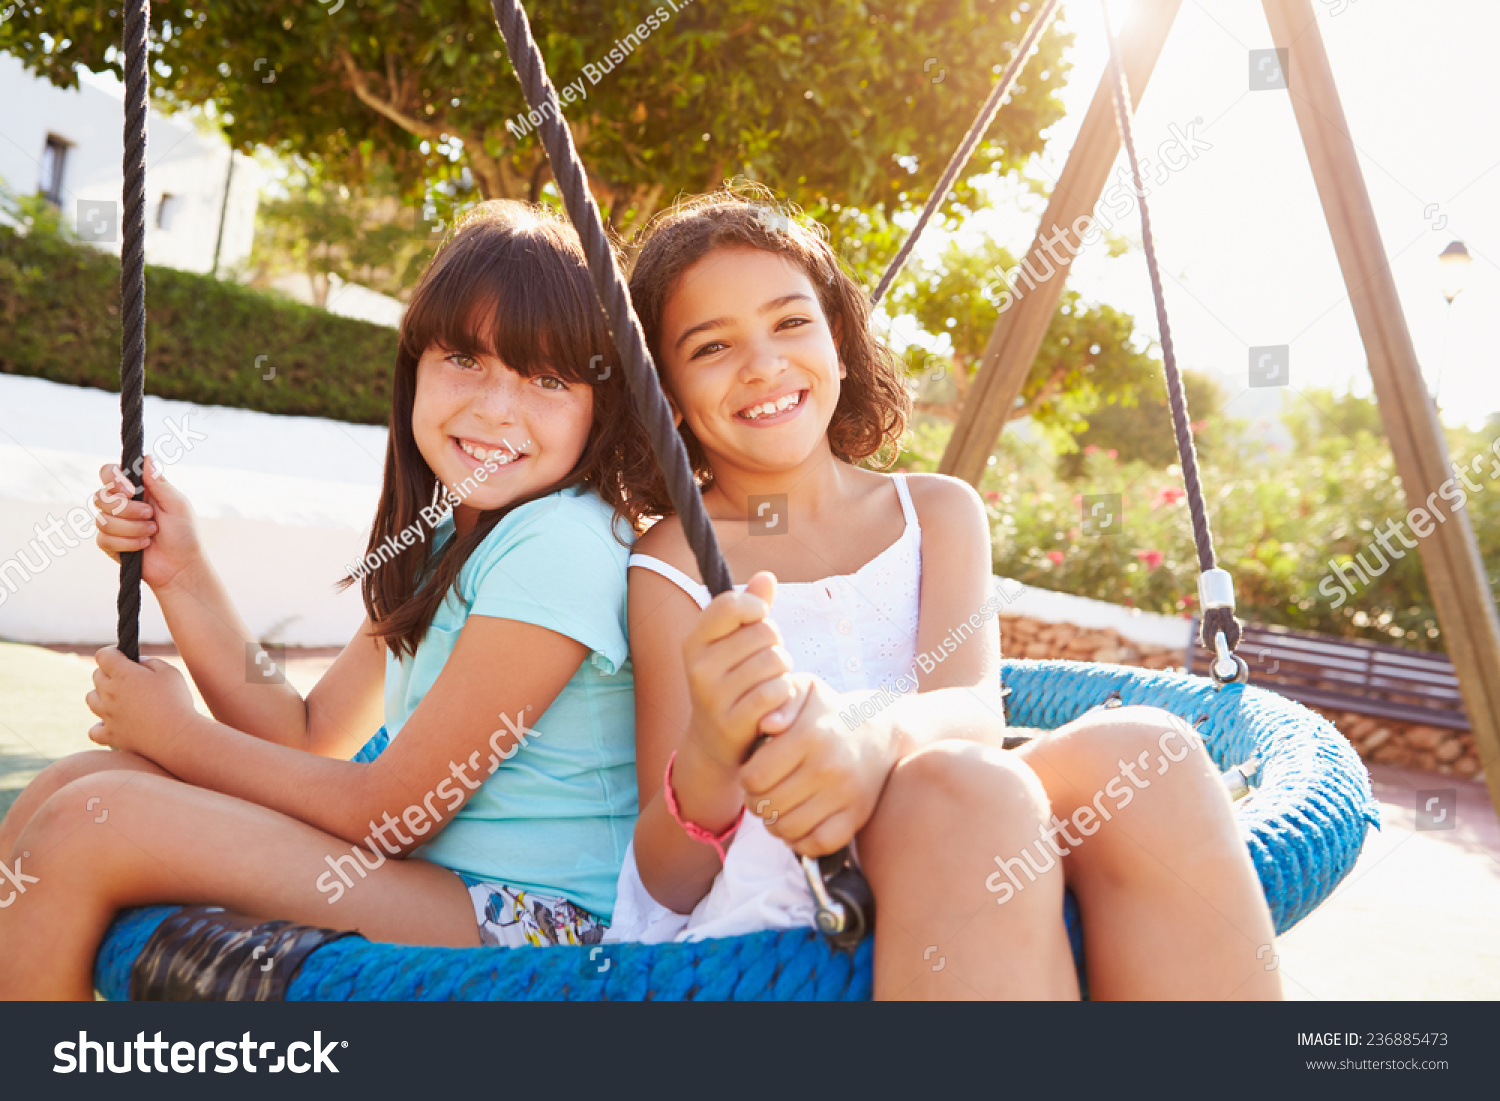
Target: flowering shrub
1278, 519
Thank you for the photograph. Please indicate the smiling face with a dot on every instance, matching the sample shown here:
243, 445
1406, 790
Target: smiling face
492, 435
753, 364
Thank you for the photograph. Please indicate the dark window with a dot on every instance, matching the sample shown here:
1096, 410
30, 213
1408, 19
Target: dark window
166, 211
54, 168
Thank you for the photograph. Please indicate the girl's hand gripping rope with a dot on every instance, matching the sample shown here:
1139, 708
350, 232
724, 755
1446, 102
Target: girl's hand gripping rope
161, 525
737, 670
140, 706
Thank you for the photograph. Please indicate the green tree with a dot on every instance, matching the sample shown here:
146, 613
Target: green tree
850, 101
1087, 359
1141, 430
1330, 419
321, 229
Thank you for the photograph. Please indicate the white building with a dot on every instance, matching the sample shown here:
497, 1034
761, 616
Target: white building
69, 145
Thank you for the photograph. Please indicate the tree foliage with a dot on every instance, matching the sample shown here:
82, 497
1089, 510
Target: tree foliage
321, 229
849, 102
1087, 360
1141, 430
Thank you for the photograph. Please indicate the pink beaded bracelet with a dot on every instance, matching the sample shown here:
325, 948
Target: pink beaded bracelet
692, 829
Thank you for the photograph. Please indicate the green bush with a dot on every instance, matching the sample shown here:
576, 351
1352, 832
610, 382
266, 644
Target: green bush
60, 320
1276, 523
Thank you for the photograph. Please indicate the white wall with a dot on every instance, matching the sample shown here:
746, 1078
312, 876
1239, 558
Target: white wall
1150, 628
179, 160
283, 503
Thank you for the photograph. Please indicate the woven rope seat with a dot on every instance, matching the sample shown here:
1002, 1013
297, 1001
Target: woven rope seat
1304, 823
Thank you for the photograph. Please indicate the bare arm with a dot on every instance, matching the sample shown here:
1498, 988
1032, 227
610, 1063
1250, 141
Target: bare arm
239, 687
449, 746
960, 696
342, 710
676, 870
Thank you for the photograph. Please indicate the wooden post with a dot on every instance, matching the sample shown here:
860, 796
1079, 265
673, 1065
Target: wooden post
1020, 329
1450, 555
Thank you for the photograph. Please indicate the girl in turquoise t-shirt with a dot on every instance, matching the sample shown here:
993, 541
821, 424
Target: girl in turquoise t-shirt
501, 809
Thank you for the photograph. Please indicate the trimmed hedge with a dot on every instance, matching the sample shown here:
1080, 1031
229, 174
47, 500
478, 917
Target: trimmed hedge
60, 320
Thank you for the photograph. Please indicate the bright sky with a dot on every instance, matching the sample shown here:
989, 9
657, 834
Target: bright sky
1246, 256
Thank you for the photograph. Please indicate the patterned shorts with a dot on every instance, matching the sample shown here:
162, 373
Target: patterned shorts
511, 918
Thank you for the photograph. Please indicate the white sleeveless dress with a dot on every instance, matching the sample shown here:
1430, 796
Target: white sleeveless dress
856, 631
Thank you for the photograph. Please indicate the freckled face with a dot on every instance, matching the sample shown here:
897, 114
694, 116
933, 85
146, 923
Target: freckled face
492, 435
752, 361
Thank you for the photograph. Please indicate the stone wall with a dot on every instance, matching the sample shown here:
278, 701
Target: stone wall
1409, 745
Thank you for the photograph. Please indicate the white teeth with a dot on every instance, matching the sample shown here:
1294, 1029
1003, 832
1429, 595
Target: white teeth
499, 456
781, 404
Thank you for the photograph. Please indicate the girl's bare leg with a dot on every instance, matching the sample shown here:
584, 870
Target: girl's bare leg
941, 931
61, 773
166, 841
1171, 904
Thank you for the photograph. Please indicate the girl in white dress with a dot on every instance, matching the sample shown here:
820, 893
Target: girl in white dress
866, 642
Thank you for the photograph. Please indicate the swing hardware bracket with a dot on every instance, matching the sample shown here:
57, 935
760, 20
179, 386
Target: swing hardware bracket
1237, 779
831, 918
1216, 589
845, 904
1228, 667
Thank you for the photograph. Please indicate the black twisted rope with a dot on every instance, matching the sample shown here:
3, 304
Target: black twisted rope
609, 285
624, 326
136, 53
966, 148
1214, 619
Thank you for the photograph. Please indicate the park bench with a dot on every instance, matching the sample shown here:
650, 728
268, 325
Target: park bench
1344, 674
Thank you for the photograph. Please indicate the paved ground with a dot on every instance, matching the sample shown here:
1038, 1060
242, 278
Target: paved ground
1418, 918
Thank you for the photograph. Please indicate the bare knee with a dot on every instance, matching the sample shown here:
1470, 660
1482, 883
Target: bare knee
1134, 744
954, 788
72, 818
58, 775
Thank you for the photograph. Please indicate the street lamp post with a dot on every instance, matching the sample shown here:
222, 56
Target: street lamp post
1453, 270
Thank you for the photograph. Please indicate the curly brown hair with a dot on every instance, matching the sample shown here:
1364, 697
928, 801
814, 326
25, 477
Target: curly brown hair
510, 281
874, 402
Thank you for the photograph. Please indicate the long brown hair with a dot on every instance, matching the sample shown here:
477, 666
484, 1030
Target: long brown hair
511, 282
874, 402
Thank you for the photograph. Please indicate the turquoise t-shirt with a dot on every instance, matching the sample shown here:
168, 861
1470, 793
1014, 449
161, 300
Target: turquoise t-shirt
555, 818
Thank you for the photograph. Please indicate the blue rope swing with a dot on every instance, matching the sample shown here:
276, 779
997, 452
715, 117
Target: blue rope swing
1304, 822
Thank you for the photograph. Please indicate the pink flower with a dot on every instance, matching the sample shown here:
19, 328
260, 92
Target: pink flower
1090, 449
1152, 558
1078, 498
1112, 453
1167, 496
1056, 556
992, 495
